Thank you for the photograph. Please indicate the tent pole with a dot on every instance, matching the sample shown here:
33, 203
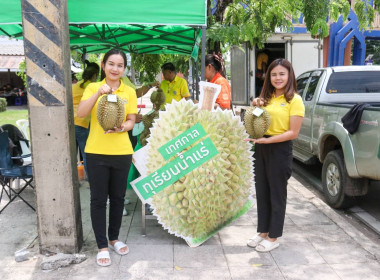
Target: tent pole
84, 57
203, 52
196, 79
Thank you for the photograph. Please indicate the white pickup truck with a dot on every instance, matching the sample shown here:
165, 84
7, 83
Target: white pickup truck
349, 160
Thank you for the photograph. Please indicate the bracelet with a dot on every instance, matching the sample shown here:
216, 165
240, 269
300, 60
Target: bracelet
122, 129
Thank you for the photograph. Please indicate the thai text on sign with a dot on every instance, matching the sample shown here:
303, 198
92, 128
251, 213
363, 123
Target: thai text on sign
176, 169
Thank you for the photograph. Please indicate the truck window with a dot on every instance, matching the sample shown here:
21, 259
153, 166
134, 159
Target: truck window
302, 82
312, 85
354, 82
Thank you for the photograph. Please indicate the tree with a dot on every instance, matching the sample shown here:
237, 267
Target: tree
254, 21
149, 65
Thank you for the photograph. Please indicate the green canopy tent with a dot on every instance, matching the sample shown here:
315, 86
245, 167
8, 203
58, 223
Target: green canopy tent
148, 26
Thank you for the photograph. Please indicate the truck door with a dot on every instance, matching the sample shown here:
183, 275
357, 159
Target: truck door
304, 55
308, 97
302, 82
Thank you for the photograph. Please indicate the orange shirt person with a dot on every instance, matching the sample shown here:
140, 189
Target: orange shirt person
214, 64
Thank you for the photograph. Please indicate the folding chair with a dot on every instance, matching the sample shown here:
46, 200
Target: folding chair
20, 139
10, 171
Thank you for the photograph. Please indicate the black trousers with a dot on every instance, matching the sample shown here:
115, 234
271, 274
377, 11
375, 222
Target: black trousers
273, 168
107, 175
133, 139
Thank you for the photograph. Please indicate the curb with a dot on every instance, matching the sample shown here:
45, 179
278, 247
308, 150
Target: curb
350, 230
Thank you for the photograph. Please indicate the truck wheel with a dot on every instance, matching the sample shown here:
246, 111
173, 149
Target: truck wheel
334, 180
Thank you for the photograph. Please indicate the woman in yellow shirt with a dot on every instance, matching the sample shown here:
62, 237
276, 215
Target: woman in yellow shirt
109, 155
273, 152
90, 74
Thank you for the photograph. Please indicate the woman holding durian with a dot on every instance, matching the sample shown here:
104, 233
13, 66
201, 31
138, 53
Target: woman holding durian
109, 150
273, 152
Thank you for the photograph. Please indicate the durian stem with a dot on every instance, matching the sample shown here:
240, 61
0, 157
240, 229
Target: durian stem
208, 98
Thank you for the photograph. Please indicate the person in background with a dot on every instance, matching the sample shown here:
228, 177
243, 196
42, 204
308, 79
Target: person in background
174, 87
213, 74
109, 155
74, 79
273, 152
261, 69
90, 75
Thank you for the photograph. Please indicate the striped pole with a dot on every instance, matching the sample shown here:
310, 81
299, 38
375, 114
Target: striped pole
47, 52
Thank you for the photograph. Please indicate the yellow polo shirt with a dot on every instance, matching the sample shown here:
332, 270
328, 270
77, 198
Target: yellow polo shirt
280, 112
77, 96
177, 89
111, 143
262, 57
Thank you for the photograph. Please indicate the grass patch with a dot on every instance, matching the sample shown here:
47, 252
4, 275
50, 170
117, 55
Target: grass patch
11, 116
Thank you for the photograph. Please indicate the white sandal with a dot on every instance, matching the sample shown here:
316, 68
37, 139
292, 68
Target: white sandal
119, 245
103, 255
266, 246
254, 241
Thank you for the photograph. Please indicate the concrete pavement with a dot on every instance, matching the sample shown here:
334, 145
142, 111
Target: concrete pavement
317, 244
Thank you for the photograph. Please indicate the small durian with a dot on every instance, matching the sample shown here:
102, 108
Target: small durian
158, 98
110, 114
256, 126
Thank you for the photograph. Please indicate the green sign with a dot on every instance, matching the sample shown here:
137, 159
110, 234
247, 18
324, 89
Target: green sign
182, 141
176, 169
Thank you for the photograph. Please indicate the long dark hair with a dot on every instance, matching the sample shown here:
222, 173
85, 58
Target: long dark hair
290, 88
108, 54
216, 60
91, 69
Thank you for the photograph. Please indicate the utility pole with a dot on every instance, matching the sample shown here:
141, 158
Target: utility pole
47, 52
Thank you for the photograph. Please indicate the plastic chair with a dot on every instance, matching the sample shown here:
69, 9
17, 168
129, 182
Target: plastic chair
10, 171
23, 125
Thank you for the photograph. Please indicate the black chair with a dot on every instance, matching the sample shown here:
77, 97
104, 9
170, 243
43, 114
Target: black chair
10, 170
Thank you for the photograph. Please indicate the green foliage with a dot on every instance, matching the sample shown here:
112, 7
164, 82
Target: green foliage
10, 116
3, 104
254, 21
315, 13
365, 13
149, 65
22, 72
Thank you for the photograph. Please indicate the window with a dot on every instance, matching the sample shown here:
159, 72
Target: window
312, 85
302, 82
354, 82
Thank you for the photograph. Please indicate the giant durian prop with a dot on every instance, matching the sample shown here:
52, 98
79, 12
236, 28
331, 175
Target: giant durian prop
110, 114
157, 98
256, 126
214, 194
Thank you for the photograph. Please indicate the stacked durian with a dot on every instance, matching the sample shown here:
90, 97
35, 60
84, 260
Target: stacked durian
211, 195
110, 114
256, 126
157, 98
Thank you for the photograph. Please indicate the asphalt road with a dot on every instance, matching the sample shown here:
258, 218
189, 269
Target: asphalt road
369, 205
